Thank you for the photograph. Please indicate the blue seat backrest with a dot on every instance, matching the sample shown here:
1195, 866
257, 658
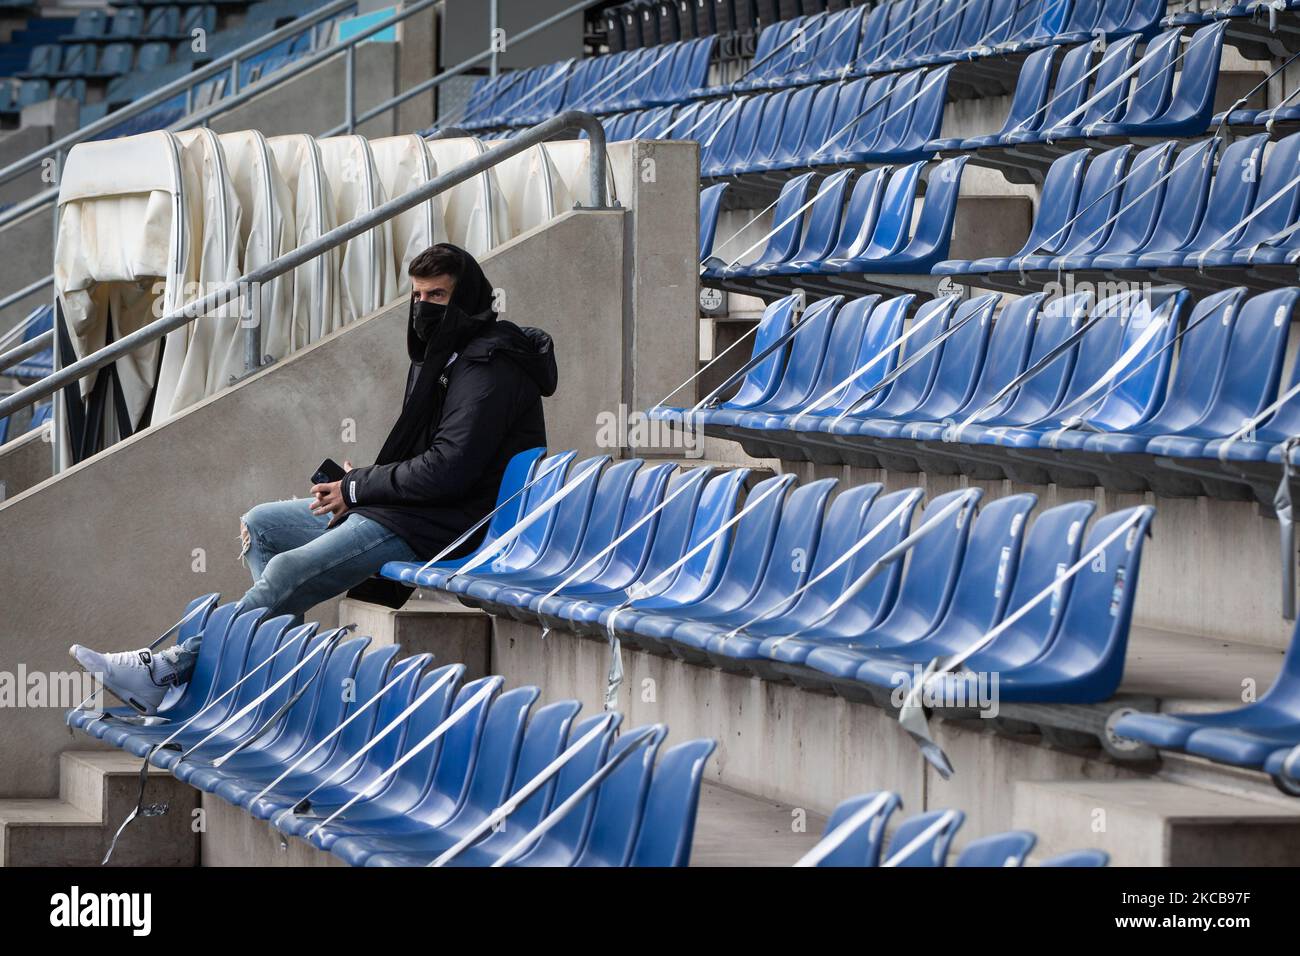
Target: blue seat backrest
764, 378
1186, 192
859, 219
430, 713
862, 846
519, 471
1098, 199
1090, 644
1007, 356
569, 835
1252, 368
847, 520
912, 385
379, 669
648, 490
807, 353
1140, 388
710, 205
1099, 347
931, 572
1052, 545
607, 508
796, 541
1232, 193
983, 587
1000, 849
548, 479
824, 217
1070, 90
1140, 200
894, 221
840, 131
673, 524
452, 758
785, 106
745, 559
337, 672
1278, 194
268, 636
668, 822
866, 121
718, 503
883, 328
544, 739
1025, 112
963, 356
503, 738
1154, 80
620, 801
1057, 205
1201, 354
554, 536
1044, 390
818, 124
843, 344
933, 849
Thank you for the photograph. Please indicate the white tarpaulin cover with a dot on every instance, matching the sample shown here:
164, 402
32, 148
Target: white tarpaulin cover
367, 282
128, 211
148, 223
200, 358
266, 233
533, 189
404, 163
315, 282
476, 215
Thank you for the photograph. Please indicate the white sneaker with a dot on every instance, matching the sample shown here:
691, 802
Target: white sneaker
139, 678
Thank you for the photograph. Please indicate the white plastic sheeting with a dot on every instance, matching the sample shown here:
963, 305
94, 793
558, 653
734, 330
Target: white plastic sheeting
476, 215
315, 282
533, 189
404, 163
266, 233
367, 280
125, 250
148, 223
200, 358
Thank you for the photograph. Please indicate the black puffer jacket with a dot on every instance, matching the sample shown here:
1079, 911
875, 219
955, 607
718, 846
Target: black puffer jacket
491, 411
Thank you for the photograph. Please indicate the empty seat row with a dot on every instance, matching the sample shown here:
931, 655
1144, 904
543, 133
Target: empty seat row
855, 836
904, 34
641, 23
1168, 91
679, 566
114, 59
888, 119
14, 97
875, 226
1262, 735
618, 81
130, 24
1068, 390
414, 762
1162, 208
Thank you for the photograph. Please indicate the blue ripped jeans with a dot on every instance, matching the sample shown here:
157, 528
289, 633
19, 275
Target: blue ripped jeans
297, 563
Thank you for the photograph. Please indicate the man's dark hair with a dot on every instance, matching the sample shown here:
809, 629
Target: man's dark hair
439, 260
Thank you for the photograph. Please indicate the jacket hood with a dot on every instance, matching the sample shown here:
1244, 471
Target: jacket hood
472, 297
532, 350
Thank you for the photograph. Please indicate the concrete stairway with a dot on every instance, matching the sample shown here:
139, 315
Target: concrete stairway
97, 789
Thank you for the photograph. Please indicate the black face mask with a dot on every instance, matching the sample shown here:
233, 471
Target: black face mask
427, 317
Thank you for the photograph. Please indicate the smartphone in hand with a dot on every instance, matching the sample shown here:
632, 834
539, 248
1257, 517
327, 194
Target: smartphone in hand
329, 470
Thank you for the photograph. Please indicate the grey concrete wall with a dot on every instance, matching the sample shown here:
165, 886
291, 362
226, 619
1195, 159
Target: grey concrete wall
465, 31
107, 553
26, 461
658, 180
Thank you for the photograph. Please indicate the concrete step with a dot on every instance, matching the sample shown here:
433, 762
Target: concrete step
97, 789
1157, 822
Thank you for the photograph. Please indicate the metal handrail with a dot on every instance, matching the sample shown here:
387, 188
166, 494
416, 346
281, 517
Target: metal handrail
26, 349
571, 119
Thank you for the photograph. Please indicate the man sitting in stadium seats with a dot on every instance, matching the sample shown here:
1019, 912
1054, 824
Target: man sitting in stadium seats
473, 400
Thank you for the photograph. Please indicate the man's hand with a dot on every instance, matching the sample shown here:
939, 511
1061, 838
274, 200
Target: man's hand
329, 496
